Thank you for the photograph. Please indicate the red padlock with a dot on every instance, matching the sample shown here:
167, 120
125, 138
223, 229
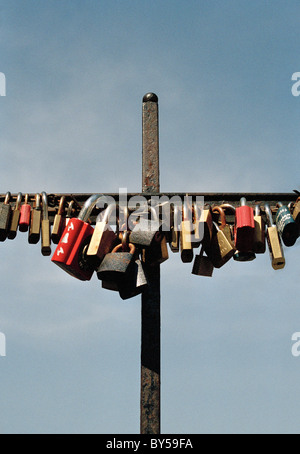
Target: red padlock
244, 227
69, 253
25, 212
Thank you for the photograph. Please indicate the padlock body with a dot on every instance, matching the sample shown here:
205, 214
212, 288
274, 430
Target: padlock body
24, 220
57, 228
145, 232
296, 212
187, 253
259, 240
135, 283
115, 266
46, 242
68, 253
220, 250
275, 248
202, 266
244, 228
12, 233
205, 227
156, 254
287, 228
5, 217
102, 242
35, 227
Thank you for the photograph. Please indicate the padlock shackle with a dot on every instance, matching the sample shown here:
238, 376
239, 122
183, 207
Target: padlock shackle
105, 214
44, 206
61, 205
243, 201
269, 215
19, 200
88, 206
37, 201
7, 198
279, 204
257, 210
221, 213
227, 205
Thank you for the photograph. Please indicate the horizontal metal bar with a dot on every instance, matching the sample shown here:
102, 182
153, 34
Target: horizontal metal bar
210, 198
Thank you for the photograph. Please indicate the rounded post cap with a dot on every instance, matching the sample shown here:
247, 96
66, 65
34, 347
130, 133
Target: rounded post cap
150, 97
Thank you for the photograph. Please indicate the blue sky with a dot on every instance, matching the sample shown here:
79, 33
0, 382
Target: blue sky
76, 72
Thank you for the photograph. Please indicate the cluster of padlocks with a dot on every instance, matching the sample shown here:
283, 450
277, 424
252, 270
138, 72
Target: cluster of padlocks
121, 256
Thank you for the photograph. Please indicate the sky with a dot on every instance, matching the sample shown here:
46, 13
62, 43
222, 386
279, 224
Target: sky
76, 72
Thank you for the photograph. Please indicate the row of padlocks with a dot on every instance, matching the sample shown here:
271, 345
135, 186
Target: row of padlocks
120, 257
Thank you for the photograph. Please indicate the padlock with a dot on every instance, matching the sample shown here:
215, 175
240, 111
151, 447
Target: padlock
197, 233
202, 265
146, 231
174, 229
25, 213
34, 232
206, 225
12, 232
69, 253
157, 253
224, 227
220, 250
59, 221
244, 227
274, 243
259, 240
287, 227
5, 217
45, 228
135, 281
296, 211
103, 239
186, 229
116, 265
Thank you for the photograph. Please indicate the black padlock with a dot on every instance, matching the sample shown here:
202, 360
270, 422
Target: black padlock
116, 265
135, 282
5, 217
287, 227
146, 231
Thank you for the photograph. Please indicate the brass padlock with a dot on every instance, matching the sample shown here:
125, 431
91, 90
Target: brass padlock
274, 243
59, 222
35, 222
220, 250
186, 229
103, 239
175, 229
202, 265
224, 227
296, 211
197, 236
12, 233
46, 242
259, 241
206, 225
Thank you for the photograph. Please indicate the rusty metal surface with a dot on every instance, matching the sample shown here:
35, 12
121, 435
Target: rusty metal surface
150, 313
150, 173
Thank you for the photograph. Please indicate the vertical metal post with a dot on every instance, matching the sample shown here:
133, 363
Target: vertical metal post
150, 317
